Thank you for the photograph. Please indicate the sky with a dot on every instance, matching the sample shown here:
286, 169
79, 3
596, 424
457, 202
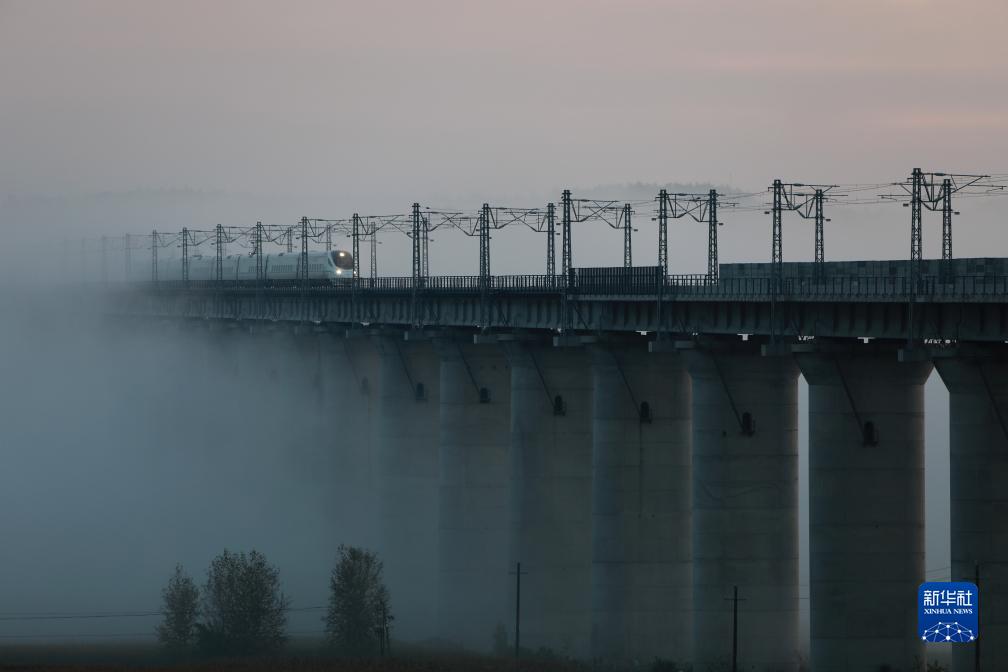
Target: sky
126, 116
444, 97
123, 116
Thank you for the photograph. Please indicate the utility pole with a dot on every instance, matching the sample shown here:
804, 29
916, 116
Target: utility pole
712, 224
820, 253
776, 258
303, 270
566, 252
734, 631
416, 244
425, 267
356, 245
417, 267
777, 251
484, 240
220, 254
734, 653
808, 205
663, 232
551, 243
384, 644
627, 229
154, 246
259, 255
701, 208
947, 228
916, 253
926, 193
374, 255
517, 574
185, 257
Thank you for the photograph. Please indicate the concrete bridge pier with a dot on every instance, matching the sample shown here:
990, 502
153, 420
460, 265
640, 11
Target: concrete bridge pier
406, 465
977, 381
641, 564
745, 505
475, 445
349, 368
866, 511
551, 453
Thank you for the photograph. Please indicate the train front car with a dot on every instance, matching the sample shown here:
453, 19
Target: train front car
342, 264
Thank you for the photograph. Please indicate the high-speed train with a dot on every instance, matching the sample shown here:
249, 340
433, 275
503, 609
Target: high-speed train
334, 266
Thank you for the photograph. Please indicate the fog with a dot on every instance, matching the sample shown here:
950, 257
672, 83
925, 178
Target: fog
127, 448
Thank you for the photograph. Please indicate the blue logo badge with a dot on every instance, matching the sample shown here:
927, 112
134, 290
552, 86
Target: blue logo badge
948, 611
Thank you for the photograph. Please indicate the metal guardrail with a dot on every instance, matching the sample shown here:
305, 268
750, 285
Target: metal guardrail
644, 281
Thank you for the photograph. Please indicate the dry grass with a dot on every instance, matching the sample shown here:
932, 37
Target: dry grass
306, 658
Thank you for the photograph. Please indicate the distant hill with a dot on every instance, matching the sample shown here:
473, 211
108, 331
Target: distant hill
636, 191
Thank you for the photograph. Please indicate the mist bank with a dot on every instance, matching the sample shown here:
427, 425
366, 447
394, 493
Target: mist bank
128, 448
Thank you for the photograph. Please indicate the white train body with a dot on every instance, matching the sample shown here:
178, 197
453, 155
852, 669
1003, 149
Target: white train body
241, 268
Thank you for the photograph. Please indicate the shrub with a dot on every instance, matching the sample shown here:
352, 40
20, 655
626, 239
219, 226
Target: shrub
181, 607
358, 615
244, 610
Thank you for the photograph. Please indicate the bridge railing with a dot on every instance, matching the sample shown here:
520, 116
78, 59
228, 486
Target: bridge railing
640, 282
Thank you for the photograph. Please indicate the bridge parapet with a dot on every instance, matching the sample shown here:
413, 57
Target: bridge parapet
982, 287
838, 303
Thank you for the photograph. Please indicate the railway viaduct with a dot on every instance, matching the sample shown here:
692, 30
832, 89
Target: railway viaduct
631, 438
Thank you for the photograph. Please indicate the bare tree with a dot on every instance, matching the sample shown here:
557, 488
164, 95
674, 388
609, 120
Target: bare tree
180, 607
244, 610
358, 616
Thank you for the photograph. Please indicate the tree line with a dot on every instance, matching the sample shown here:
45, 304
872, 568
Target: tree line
241, 609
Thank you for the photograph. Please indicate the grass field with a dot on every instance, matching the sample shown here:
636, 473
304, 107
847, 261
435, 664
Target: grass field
299, 656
